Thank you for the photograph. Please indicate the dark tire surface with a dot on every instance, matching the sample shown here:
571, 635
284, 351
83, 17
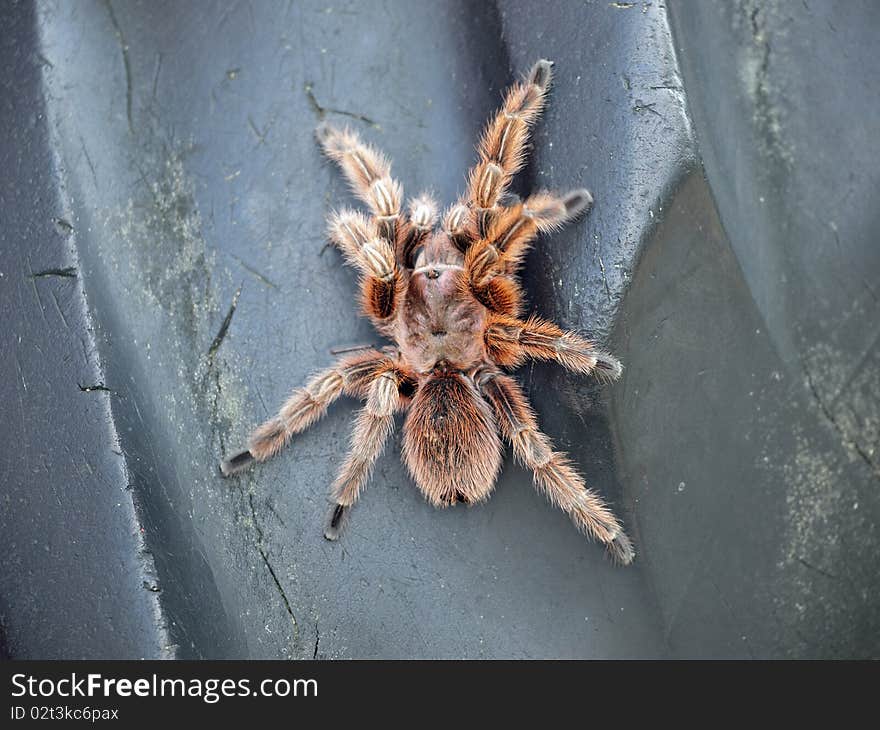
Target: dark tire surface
164, 284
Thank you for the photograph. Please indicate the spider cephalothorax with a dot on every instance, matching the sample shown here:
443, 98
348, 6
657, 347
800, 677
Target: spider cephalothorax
450, 301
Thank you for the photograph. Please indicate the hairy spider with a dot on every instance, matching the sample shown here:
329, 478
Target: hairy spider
450, 301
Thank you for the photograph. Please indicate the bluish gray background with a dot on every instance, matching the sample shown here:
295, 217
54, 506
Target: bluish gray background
159, 172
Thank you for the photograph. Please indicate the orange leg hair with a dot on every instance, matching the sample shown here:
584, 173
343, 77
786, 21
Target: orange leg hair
352, 375
369, 243
501, 155
502, 147
416, 228
371, 429
512, 230
510, 341
553, 471
369, 174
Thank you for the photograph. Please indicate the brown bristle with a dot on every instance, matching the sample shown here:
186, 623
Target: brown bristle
450, 440
451, 303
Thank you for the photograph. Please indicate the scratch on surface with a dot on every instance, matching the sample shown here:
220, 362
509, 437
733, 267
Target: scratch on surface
224, 327
125, 62
60, 311
274, 512
844, 437
32, 278
641, 106
258, 133
759, 81
604, 279
156, 74
89, 161
351, 348
230, 8
816, 569
322, 111
20, 374
99, 387
68, 272
317, 641
833, 226
265, 556
63, 225
260, 396
260, 276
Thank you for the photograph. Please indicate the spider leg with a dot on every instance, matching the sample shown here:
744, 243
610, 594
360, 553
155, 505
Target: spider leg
502, 146
492, 262
306, 405
456, 222
382, 281
350, 230
374, 424
358, 238
510, 341
369, 174
553, 471
415, 228
512, 230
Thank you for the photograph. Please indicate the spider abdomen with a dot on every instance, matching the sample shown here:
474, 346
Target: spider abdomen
450, 441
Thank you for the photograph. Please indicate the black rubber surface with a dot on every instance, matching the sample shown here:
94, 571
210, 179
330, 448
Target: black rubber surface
165, 283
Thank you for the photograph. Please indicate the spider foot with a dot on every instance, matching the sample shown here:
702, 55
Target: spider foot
335, 522
237, 463
541, 73
608, 367
577, 202
620, 549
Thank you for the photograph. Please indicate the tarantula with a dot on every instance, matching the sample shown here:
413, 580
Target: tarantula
450, 301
